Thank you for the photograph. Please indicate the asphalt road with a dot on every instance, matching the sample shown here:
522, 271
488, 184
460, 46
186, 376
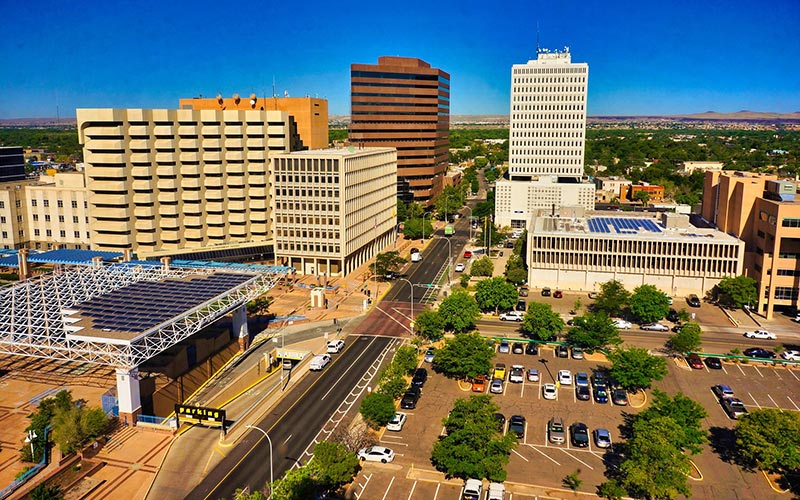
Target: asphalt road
292, 425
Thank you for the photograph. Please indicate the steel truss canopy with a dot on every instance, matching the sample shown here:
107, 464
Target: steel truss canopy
121, 314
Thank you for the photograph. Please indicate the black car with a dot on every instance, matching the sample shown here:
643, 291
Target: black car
757, 352
410, 398
509, 244
545, 292
391, 275
579, 435
517, 425
420, 377
501, 421
599, 379
600, 395
522, 305
523, 291
673, 316
562, 351
714, 363
532, 348
582, 393
517, 348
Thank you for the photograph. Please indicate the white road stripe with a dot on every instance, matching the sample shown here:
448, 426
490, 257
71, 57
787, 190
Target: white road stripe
723, 369
350, 367
544, 454
520, 456
754, 400
438, 485
288, 438
413, 486
576, 458
792, 401
773, 402
388, 488
739, 366
758, 371
792, 372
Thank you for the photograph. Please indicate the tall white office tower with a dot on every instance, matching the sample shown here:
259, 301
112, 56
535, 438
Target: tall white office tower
548, 116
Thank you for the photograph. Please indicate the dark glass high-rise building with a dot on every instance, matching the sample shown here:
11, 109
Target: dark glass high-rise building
404, 103
12, 164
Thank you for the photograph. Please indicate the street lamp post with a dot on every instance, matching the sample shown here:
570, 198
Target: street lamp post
423, 226
270, 452
449, 257
470, 222
411, 286
29, 439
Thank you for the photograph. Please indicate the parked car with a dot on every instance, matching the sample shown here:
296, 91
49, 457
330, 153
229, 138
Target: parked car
517, 348
582, 393
517, 374
760, 334
655, 327
376, 454
397, 422
791, 355
733, 407
557, 294
602, 438
693, 300
473, 490
599, 379
496, 491
533, 375
335, 346
601, 395
516, 424
672, 316
410, 398
523, 291
723, 391
522, 306
581, 379
577, 353
562, 351
501, 421
555, 430
532, 348
546, 292
504, 347
714, 363
579, 435
419, 378
758, 352
619, 397
496, 387
511, 316
467, 254
694, 361
500, 371
549, 391
429, 354
459, 268
565, 377
479, 384
391, 275
622, 324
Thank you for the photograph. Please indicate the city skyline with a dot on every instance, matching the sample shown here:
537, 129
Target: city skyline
645, 60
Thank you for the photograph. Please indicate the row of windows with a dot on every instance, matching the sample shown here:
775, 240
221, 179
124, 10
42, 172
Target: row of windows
306, 233
398, 76
652, 264
307, 193
18, 203
547, 94
641, 247
49, 233
397, 113
47, 218
46, 203
551, 71
788, 272
291, 205
306, 220
316, 179
539, 133
546, 152
790, 222
543, 144
408, 96
308, 247
784, 293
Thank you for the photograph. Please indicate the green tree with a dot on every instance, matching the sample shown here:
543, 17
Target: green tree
412, 229
429, 325
75, 426
296, 484
402, 211
738, 292
450, 201
650, 450
377, 408
685, 412
517, 276
541, 322
392, 384
687, 339
611, 490
464, 356
459, 311
406, 359
642, 196
387, 261
769, 439
473, 448
648, 304
482, 267
593, 331
332, 465
612, 298
259, 306
572, 481
495, 294
43, 491
635, 368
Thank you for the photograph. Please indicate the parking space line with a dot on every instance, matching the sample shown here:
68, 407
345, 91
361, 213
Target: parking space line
740, 369
388, 488
792, 401
773, 402
438, 485
754, 400
576, 458
525, 436
394, 443
723, 369
522, 390
545, 455
758, 371
413, 486
777, 374
792, 372
358, 495
520, 456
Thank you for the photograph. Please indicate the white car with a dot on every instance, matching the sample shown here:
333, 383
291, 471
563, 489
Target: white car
517, 374
397, 422
376, 454
622, 324
549, 391
511, 316
565, 377
655, 327
791, 355
459, 267
319, 362
496, 386
335, 346
760, 334
496, 491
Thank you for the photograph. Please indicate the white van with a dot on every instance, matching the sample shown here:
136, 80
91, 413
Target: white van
318, 362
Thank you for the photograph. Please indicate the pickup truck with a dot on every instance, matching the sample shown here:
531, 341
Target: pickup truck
472, 490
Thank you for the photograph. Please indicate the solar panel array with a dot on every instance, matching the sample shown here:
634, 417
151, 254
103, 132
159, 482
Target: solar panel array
145, 304
622, 225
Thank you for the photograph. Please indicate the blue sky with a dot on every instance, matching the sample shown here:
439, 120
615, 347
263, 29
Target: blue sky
644, 57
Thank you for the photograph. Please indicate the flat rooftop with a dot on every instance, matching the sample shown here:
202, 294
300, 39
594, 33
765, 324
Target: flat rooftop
348, 151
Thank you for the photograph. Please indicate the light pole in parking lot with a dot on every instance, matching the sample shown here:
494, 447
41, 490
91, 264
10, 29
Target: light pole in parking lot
270, 452
411, 287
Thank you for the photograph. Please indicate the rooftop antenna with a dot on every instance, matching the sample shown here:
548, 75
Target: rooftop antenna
273, 87
538, 50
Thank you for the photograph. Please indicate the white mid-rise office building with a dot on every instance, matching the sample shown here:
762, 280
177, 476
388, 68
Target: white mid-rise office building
517, 201
548, 116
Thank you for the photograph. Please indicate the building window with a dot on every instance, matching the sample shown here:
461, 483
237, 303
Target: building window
2, 220
36, 232
60, 218
49, 232
60, 204
33, 203
2, 204
47, 217
5, 235
787, 222
35, 217
19, 203
46, 203
77, 234
74, 204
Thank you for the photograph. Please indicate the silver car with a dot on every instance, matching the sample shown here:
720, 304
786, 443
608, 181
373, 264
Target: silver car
555, 430
496, 387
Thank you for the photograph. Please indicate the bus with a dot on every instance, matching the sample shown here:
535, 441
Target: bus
449, 230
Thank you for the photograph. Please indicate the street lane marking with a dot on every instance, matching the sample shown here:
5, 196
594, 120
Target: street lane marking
388, 488
352, 364
576, 458
358, 495
754, 400
545, 455
773, 402
413, 486
288, 438
520, 456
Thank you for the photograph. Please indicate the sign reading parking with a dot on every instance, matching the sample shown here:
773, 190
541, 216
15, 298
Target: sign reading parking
213, 417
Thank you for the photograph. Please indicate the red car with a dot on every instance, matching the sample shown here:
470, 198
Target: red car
467, 254
557, 294
695, 361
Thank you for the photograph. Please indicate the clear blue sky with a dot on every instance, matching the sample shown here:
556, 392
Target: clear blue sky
644, 57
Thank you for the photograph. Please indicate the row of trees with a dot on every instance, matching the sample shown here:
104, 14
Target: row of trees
378, 407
